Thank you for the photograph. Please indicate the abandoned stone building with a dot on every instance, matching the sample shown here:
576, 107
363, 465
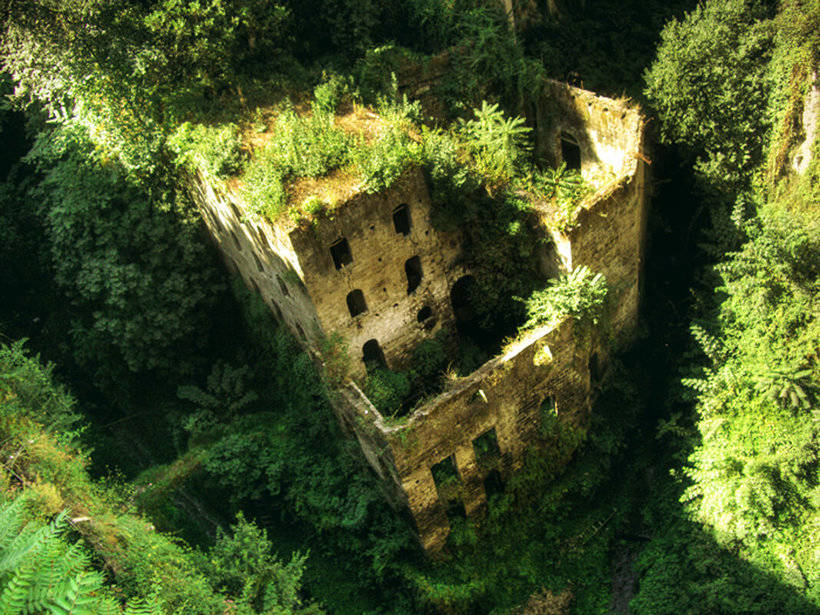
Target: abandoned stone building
382, 277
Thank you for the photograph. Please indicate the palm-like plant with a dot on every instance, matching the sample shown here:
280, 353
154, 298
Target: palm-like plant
497, 142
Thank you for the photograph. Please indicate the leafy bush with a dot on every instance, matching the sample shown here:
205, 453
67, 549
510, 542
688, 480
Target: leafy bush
40, 571
579, 293
715, 107
387, 390
383, 162
300, 147
264, 188
128, 259
216, 149
566, 187
429, 357
328, 95
225, 396
755, 469
242, 564
29, 389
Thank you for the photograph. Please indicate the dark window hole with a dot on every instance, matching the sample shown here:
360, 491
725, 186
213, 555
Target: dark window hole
493, 484
486, 448
373, 356
401, 219
356, 303
340, 252
283, 287
412, 268
596, 370
446, 478
570, 152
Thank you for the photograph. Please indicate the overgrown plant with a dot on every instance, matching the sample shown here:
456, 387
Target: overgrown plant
499, 144
301, 146
42, 572
215, 149
579, 294
565, 188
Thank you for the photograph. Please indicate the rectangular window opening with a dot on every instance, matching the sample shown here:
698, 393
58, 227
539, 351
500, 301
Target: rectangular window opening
487, 451
401, 220
412, 269
340, 252
493, 485
447, 480
571, 152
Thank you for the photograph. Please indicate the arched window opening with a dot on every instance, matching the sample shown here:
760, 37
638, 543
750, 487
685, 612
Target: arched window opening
401, 219
258, 262
356, 303
372, 355
236, 241
283, 287
570, 152
340, 252
424, 313
236, 212
412, 269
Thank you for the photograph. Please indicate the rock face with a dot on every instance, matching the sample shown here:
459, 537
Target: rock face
379, 274
811, 116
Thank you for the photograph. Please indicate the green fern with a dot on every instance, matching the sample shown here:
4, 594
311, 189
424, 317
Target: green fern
41, 572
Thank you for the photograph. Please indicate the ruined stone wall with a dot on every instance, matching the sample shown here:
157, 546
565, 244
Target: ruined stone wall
262, 254
379, 254
607, 131
609, 239
505, 395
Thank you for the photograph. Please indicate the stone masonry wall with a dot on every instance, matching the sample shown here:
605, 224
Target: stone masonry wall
506, 394
379, 255
262, 255
607, 131
609, 239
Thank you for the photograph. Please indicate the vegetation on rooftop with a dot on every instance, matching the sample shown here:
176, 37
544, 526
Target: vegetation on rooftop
695, 487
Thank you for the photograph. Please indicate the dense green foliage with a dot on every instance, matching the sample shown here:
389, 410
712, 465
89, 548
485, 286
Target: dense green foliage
216, 417
43, 475
43, 572
580, 294
751, 476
